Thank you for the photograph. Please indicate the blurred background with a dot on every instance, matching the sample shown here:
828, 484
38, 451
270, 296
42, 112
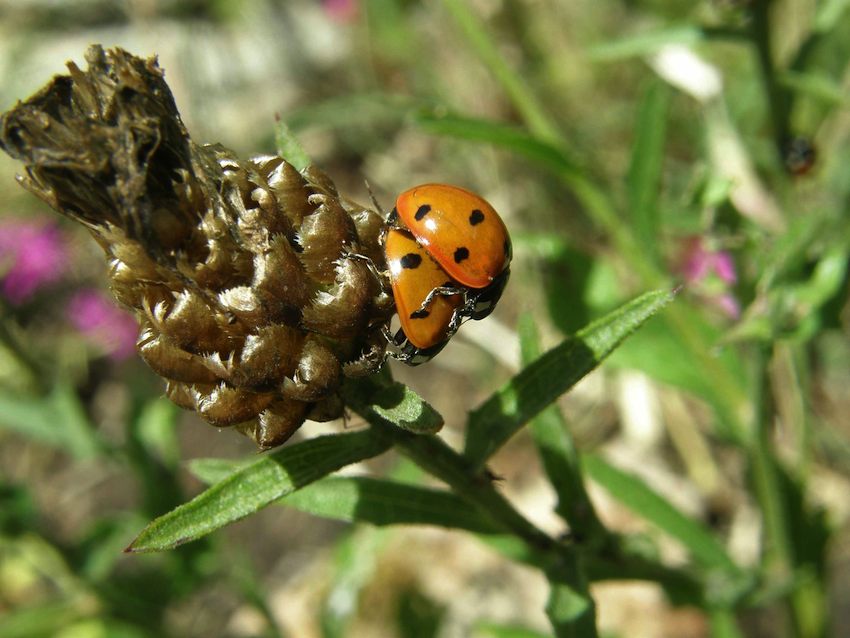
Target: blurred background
628, 145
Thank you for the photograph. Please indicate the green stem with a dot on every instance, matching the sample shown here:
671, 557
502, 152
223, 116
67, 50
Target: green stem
777, 97
571, 608
778, 555
523, 99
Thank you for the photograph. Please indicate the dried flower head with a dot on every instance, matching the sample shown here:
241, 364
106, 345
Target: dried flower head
255, 285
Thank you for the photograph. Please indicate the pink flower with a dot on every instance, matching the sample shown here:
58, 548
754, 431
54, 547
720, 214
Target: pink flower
103, 323
711, 273
340, 10
700, 262
32, 255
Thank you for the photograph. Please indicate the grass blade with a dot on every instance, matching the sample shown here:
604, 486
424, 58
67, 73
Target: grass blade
643, 180
552, 374
58, 420
498, 134
642, 500
255, 486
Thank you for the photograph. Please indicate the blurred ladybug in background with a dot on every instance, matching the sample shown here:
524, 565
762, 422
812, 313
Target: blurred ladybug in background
799, 156
449, 255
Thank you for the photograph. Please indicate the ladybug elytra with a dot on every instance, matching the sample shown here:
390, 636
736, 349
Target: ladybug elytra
449, 254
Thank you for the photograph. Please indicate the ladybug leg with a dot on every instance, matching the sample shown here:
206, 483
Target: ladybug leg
381, 275
445, 291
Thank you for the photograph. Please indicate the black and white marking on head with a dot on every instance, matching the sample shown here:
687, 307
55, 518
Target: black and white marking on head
411, 261
421, 212
476, 217
461, 254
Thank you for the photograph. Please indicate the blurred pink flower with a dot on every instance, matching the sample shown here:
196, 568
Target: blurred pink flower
103, 323
700, 262
712, 273
341, 10
32, 255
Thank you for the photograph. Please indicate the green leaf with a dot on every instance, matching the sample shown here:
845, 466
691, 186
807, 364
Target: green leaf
816, 85
288, 146
47, 619
630, 46
557, 451
489, 630
552, 374
829, 13
642, 500
368, 500
355, 109
503, 135
393, 402
255, 486
644, 176
382, 502
58, 420
661, 351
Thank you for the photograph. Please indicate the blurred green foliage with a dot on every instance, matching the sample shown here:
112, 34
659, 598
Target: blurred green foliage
630, 146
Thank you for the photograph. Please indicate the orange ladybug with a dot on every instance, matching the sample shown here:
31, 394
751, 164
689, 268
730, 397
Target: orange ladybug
449, 255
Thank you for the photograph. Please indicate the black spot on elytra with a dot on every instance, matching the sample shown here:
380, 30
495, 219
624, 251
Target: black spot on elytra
476, 217
461, 254
507, 248
411, 261
420, 314
421, 212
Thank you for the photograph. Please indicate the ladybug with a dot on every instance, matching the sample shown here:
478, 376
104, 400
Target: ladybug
799, 156
449, 255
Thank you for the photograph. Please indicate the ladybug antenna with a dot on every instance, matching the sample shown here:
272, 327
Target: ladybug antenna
372, 195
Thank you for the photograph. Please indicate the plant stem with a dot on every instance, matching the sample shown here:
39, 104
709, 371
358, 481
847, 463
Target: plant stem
777, 97
524, 100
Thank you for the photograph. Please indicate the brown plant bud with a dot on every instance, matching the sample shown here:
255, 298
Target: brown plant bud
255, 285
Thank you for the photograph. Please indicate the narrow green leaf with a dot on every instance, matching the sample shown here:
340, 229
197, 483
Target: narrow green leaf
482, 42
353, 110
642, 500
255, 486
368, 500
552, 374
498, 134
381, 502
816, 85
644, 176
288, 146
649, 42
557, 451
829, 14
214, 470
57, 419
